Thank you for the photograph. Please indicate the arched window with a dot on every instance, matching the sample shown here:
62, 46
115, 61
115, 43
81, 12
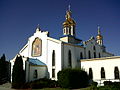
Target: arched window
53, 58
89, 54
81, 55
37, 47
73, 30
90, 73
116, 73
99, 55
94, 48
35, 75
53, 73
94, 54
69, 59
69, 30
102, 73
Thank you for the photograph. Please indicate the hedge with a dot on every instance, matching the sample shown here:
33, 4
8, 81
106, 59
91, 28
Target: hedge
73, 78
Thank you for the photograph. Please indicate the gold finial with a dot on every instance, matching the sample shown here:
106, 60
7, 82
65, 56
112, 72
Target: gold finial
98, 29
69, 7
99, 36
69, 21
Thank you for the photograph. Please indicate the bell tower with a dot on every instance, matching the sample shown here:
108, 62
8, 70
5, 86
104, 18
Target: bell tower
99, 37
69, 32
69, 24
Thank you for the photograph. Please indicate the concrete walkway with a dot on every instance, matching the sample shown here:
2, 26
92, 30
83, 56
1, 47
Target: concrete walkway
6, 86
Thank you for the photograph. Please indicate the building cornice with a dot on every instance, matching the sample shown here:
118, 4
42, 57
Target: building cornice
100, 59
54, 40
72, 45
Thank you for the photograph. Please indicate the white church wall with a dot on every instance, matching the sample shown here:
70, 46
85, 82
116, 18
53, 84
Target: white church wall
41, 72
90, 47
53, 44
75, 54
109, 64
43, 37
24, 51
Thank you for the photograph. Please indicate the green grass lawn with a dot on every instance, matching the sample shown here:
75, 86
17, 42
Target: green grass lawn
62, 89
52, 89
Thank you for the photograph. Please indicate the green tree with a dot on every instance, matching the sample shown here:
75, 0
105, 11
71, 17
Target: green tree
3, 70
73, 78
18, 74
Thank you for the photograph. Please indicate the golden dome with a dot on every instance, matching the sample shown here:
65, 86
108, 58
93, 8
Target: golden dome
99, 37
69, 21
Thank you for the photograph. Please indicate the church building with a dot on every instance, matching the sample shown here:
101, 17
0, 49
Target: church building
44, 57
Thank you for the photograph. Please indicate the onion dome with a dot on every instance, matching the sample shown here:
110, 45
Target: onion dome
69, 21
99, 36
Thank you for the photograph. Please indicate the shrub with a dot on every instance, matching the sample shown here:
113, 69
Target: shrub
43, 83
94, 86
72, 78
107, 83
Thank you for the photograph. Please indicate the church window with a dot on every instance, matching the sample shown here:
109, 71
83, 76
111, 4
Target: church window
53, 73
69, 30
73, 30
99, 55
116, 73
53, 58
35, 74
90, 73
69, 59
94, 54
94, 48
37, 47
89, 54
81, 55
102, 73
66, 30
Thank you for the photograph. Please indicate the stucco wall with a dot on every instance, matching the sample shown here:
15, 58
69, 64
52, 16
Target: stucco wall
75, 54
42, 72
55, 45
109, 64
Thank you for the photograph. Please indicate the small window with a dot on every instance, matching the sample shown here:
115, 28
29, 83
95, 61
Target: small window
116, 73
90, 73
35, 74
69, 59
81, 55
53, 73
73, 30
89, 54
102, 73
69, 30
94, 54
94, 48
53, 58
99, 55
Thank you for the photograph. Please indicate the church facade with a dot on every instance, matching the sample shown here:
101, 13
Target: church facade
44, 56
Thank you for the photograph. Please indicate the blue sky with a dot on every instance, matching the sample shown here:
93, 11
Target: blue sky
19, 19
